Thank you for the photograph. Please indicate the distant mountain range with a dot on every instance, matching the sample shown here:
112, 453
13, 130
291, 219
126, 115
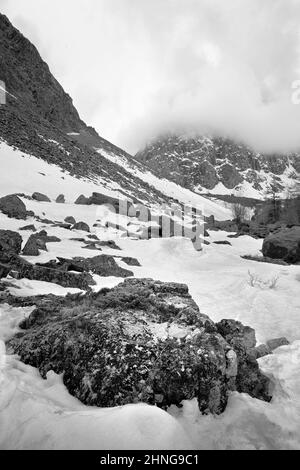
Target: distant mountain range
220, 166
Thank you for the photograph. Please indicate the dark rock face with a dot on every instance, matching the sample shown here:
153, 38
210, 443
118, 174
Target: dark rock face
37, 242
14, 207
103, 265
222, 242
204, 161
60, 199
40, 197
284, 244
117, 347
242, 339
81, 226
82, 200
70, 220
30, 228
10, 241
131, 261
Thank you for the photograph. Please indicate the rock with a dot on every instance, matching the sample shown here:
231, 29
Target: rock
38, 242
4, 270
32, 247
284, 244
40, 197
82, 200
277, 343
103, 265
229, 176
131, 261
30, 228
242, 340
81, 226
70, 220
222, 242
109, 244
60, 199
111, 347
10, 242
14, 207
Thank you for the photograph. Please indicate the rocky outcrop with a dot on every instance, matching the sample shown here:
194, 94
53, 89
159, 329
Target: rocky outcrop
143, 341
30, 228
200, 162
14, 207
40, 197
283, 244
103, 265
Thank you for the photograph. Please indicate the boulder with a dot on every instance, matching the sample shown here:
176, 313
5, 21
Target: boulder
130, 261
222, 242
10, 242
82, 200
38, 242
81, 226
40, 197
284, 244
60, 199
14, 207
142, 341
70, 220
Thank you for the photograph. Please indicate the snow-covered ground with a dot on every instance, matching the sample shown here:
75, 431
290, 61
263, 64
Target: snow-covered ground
41, 414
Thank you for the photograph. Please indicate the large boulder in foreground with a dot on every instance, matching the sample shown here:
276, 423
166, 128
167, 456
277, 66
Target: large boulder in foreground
142, 341
284, 244
14, 207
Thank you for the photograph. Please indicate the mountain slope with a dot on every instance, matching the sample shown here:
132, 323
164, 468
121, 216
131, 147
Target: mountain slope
40, 120
219, 166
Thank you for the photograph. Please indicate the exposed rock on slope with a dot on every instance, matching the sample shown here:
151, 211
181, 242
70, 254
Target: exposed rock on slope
144, 341
40, 119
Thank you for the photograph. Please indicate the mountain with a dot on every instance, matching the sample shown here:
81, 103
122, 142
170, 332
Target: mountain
220, 166
40, 121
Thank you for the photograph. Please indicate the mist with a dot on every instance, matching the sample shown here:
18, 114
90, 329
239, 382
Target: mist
140, 68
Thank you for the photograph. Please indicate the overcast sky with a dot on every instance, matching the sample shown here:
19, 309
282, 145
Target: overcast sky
137, 68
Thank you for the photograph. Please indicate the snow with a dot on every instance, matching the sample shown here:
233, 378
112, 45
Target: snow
41, 414
171, 189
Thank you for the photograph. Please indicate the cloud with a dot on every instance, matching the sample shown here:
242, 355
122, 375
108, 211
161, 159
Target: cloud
137, 68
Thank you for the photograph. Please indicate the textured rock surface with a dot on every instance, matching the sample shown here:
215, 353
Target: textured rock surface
284, 244
14, 207
10, 241
60, 199
81, 226
40, 197
143, 341
103, 265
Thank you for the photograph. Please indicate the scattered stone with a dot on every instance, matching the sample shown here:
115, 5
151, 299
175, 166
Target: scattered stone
277, 343
131, 261
60, 199
70, 220
30, 228
109, 244
109, 351
37, 242
81, 226
40, 197
82, 200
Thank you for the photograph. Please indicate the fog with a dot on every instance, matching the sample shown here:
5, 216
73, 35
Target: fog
139, 68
